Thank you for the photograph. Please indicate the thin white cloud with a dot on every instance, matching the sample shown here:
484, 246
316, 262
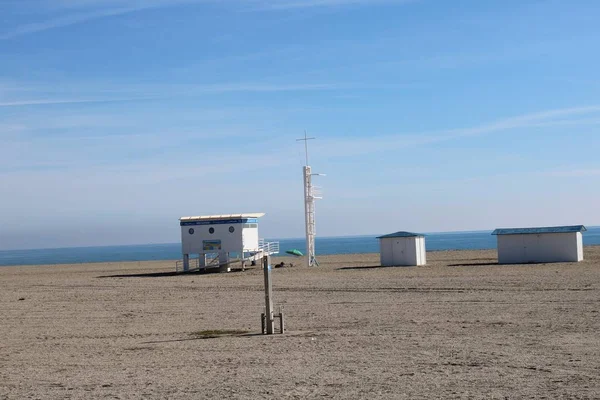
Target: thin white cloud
575, 172
379, 143
79, 12
526, 120
50, 101
251, 87
81, 93
63, 21
566, 122
295, 4
92, 10
161, 167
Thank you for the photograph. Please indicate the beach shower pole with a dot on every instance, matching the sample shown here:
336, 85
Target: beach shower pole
267, 317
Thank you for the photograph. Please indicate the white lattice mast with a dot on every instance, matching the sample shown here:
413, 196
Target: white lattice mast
310, 195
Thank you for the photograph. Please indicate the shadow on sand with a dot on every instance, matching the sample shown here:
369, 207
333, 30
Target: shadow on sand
363, 267
244, 335
481, 264
169, 273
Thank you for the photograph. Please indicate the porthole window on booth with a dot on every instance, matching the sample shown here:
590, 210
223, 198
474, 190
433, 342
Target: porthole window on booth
231, 229
211, 230
191, 231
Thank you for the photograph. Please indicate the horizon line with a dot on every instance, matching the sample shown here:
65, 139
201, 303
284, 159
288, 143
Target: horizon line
283, 238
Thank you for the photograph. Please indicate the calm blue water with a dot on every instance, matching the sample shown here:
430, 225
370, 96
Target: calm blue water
332, 245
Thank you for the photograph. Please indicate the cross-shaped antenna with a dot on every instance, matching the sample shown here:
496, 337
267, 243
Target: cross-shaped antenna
305, 139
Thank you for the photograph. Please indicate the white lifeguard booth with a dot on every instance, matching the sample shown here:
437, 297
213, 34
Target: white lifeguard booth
218, 241
402, 249
540, 245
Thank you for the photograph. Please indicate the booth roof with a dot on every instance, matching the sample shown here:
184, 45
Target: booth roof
221, 217
400, 234
547, 229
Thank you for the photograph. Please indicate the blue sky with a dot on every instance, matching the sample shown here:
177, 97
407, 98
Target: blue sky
119, 116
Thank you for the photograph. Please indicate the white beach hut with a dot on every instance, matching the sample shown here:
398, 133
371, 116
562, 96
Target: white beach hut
402, 248
540, 245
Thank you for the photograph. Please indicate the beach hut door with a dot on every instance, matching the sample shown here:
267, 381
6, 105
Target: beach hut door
398, 250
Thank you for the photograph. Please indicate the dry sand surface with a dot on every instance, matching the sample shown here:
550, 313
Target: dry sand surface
461, 327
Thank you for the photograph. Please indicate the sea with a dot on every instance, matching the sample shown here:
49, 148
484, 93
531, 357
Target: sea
475, 240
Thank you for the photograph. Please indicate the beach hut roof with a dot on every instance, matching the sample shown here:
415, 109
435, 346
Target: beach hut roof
400, 234
547, 229
222, 217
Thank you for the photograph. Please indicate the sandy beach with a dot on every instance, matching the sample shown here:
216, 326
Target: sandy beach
460, 327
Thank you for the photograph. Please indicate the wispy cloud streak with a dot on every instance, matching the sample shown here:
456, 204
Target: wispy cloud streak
64, 21
575, 172
294, 4
90, 11
49, 101
96, 9
103, 93
521, 121
379, 143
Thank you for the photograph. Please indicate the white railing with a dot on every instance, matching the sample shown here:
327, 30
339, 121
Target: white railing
212, 259
268, 247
